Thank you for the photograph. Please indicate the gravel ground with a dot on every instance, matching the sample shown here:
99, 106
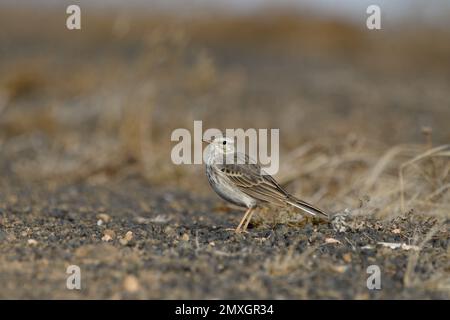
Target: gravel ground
85, 176
134, 241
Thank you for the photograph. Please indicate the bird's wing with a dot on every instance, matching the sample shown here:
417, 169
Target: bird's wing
253, 181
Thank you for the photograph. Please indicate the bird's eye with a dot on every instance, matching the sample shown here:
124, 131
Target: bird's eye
224, 143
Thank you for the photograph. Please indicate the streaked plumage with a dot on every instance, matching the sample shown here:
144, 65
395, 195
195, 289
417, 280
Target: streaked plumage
244, 183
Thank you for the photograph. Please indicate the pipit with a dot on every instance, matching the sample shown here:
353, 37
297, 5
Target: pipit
237, 179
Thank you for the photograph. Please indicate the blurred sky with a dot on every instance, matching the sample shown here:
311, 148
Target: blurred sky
431, 11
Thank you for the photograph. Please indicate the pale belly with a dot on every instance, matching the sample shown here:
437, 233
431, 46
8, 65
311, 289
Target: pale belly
228, 191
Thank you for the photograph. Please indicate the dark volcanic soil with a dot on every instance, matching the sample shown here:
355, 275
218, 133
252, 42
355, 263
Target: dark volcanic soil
180, 247
86, 119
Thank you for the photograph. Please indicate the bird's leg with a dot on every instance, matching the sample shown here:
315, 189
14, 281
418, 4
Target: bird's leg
248, 220
238, 229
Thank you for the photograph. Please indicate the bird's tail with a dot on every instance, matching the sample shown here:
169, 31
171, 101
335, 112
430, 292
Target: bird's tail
309, 208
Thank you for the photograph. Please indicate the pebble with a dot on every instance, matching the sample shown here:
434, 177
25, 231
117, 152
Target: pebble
339, 269
331, 241
131, 284
169, 231
142, 220
127, 238
160, 219
106, 238
104, 217
108, 235
185, 237
32, 242
347, 257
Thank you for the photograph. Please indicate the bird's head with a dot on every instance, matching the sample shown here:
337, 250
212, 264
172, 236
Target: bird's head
223, 145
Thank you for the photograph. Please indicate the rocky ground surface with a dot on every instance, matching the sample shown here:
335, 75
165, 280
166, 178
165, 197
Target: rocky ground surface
86, 119
134, 241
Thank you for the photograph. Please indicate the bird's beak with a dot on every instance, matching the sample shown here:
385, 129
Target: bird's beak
207, 141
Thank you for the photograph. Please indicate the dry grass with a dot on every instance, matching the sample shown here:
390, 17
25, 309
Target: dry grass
363, 121
102, 103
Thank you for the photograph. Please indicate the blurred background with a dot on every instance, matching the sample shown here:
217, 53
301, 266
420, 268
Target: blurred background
100, 103
86, 176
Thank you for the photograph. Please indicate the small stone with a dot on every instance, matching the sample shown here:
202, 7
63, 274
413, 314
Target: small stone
106, 238
127, 238
108, 235
212, 244
100, 222
397, 231
160, 218
104, 217
347, 257
110, 232
331, 241
362, 296
185, 237
32, 242
142, 220
131, 284
339, 269
169, 231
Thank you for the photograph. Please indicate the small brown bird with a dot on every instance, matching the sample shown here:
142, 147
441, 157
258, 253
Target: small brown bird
244, 183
